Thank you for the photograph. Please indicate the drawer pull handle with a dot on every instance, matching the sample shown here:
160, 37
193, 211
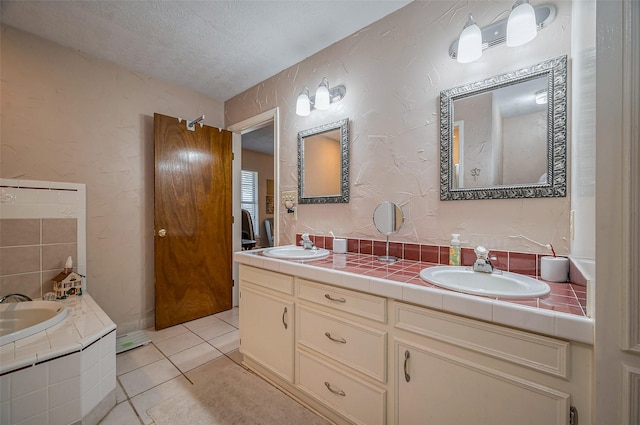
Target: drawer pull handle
407, 377
284, 313
339, 392
340, 300
341, 340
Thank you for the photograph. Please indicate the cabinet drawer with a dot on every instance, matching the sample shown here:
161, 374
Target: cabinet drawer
537, 352
359, 347
365, 305
268, 279
358, 401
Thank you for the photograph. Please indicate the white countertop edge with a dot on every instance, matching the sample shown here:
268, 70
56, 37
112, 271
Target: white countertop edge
539, 320
31, 359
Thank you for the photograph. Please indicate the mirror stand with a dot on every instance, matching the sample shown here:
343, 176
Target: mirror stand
388, 219
387, 258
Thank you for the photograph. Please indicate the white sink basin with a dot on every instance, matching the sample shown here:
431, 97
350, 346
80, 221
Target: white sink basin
496, 284
291, 252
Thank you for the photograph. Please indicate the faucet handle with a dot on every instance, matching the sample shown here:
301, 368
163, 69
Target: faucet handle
482, 252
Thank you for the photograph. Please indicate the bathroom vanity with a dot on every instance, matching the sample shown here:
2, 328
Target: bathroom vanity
367, 350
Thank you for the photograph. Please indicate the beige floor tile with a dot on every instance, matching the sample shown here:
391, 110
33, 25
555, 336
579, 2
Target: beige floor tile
161, 335
149, 399
227, 342
213, 330
178, 343
194, 357
228, 314
233, 321
148, 376
138, 357
207, 371
120, 394
122, 414
201, 322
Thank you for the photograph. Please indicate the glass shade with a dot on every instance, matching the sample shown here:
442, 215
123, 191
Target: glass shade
322, 95
521, 26
470, 42
303, 104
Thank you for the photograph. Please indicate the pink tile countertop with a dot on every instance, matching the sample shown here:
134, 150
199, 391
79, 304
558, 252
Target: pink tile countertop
85, 324
561, 313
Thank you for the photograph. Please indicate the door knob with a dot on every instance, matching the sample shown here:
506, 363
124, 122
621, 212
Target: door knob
162, 233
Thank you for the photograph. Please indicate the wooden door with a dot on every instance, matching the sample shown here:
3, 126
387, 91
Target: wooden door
193, 219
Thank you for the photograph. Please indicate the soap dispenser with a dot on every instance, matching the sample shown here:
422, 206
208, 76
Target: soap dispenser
454, 250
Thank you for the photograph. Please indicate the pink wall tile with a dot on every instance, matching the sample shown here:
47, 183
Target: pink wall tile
366, 247
353, 245
412, 251
523, 263
430, 253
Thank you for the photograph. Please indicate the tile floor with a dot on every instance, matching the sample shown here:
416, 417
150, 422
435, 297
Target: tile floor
174, 361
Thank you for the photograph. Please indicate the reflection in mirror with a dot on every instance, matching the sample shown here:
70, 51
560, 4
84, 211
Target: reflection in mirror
323, 164
388, 219
505, 137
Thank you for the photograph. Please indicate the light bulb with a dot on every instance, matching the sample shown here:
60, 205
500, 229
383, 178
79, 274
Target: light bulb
322, 95
470, 42
521, 25
303, 104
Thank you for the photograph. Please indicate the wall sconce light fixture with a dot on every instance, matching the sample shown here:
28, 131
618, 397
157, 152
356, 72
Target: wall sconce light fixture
321, 101
519, 28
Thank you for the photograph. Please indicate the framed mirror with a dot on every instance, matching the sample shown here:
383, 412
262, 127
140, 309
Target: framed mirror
505, 137
323, 164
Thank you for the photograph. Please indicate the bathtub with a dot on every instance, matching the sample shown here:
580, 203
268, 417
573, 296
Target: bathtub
23, 319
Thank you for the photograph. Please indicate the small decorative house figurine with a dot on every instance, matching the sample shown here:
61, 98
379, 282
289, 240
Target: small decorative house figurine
67, 283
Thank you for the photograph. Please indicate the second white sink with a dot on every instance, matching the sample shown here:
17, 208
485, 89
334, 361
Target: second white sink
292, 252
498, 284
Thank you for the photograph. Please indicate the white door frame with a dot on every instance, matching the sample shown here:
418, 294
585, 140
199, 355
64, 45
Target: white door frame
238, 130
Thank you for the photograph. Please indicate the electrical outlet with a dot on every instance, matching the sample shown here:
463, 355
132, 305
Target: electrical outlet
289, 196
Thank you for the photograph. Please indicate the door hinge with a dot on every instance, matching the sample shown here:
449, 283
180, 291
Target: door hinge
573, 416
233, 219
233, 156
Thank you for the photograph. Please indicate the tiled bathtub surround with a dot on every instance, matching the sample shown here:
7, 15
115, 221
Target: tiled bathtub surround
517, 262
65, 374
33, 251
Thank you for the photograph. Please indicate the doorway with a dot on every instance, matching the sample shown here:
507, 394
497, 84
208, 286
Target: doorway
259, 138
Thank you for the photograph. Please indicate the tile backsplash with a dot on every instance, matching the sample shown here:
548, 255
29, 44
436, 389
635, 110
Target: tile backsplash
33, 251
517, 262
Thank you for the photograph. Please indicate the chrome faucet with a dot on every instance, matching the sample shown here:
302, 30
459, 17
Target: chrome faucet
306, 242
15, 297
483, 262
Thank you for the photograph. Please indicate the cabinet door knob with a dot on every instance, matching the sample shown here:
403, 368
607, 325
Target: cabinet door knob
162, 233
336, 392
341, 340
407, 377
284, 314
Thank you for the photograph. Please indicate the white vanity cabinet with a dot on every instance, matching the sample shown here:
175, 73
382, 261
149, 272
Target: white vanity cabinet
341, 354
267, 320
360, 358
453, 370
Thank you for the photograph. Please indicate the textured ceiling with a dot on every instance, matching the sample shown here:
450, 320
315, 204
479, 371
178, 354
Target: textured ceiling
219, 48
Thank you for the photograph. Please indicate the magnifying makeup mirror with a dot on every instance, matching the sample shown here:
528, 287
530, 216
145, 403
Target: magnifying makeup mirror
388, 219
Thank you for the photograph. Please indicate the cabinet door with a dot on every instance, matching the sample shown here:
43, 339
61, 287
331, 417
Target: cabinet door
266, 331
441, 389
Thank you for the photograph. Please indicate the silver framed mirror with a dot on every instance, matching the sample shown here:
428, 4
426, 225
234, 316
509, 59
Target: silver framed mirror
323, 164
505, 136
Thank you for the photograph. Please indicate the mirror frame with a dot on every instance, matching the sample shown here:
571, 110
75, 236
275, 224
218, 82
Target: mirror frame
556, 186
343, 196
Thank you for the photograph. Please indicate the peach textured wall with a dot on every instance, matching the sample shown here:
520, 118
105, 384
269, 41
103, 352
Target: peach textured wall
394, 71
67, 117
